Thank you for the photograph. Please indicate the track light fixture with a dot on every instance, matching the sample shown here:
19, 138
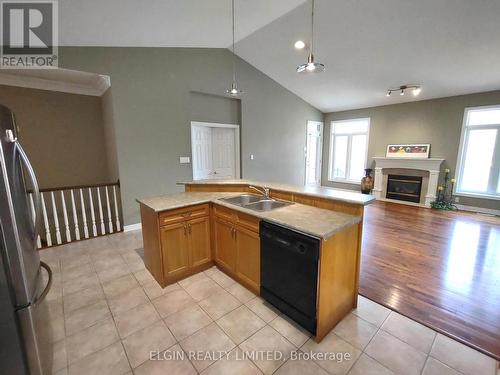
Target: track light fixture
415, 89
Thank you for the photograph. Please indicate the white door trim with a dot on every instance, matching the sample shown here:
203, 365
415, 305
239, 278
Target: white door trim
236, 128
321, 151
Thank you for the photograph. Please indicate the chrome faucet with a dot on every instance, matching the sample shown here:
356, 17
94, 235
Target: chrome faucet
262, 190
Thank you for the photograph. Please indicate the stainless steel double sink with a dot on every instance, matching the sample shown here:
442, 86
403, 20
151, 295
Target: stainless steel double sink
255, 202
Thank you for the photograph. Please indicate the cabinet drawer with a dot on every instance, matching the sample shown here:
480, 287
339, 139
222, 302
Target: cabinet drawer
185, 213
248, 222
225, 213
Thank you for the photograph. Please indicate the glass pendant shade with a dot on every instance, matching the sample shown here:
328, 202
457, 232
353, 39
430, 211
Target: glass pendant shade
311, 66
234, 90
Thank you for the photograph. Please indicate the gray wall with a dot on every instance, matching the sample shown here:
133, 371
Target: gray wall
438, 122
109, 135
214, 108
152, 89
62, 133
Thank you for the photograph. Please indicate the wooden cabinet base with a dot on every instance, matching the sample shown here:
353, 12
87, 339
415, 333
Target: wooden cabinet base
190, 272
182, 242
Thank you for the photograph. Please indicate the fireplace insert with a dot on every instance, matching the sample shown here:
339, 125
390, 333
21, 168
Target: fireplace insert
404, 188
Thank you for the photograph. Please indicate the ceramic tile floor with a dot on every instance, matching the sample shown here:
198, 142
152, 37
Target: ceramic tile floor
107, 313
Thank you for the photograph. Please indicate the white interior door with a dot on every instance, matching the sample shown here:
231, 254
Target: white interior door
314, 150
201, 141
215, 151
223, 153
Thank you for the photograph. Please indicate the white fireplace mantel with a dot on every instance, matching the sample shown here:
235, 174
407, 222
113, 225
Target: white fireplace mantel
431, 165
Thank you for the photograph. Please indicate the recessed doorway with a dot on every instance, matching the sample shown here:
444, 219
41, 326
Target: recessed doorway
215, 150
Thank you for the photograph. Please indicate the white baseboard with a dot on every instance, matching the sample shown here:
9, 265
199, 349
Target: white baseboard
489, 211
131, 227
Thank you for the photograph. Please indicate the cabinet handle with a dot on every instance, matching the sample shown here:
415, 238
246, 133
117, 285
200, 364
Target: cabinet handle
187, 214
189, 227
185, 230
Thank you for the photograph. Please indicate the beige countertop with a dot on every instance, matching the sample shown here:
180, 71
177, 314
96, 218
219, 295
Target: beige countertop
311, 220
321, 192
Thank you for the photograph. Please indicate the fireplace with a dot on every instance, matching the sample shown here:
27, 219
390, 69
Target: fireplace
404, 188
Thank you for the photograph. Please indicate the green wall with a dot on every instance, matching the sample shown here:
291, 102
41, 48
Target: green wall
152, 96
63, 135
437, 121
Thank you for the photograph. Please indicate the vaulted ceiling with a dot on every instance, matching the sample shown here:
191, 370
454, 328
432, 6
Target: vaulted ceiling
450, 47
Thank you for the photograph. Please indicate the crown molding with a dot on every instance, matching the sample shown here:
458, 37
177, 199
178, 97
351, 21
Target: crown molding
93, 85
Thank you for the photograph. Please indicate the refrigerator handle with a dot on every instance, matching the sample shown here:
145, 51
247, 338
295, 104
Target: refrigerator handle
49, 283
36, 189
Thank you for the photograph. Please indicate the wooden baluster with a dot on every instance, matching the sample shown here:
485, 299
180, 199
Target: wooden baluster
92, 214
65, 216
101, 216
75, 216
56, 219
117, 218
84, 216
48, 237
33, 214
110, 221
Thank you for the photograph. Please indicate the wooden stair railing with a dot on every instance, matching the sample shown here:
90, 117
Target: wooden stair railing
85, 211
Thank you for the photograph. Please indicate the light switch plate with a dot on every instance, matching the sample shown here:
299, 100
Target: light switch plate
184, 160
251, 156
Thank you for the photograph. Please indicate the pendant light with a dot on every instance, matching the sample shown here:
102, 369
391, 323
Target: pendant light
311, 66
234, 90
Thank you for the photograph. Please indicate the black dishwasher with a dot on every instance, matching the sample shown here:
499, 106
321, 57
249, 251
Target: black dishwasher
289, 272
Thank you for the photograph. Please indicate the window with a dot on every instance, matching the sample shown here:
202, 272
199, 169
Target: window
348, 149
479, 156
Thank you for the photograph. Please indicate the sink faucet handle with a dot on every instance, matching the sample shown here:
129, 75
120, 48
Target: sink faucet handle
262, 190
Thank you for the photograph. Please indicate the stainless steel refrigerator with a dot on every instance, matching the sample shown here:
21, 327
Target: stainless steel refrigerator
25, 334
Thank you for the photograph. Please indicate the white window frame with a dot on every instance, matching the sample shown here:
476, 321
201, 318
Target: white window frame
461, 153
349, 150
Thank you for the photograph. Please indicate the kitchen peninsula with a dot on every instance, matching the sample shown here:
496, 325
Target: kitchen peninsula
306, 262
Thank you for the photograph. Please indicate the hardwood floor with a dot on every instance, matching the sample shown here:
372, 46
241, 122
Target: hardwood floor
439, 268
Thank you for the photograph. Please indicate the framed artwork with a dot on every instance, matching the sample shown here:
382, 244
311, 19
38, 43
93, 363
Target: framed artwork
420, 151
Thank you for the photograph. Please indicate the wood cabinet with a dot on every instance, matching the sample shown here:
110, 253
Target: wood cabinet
225, 252
248, 257
180, 245
185, 245
237, 246
175, 248
184, 241
199, 241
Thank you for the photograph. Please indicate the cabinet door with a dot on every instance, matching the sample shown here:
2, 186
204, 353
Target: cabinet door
248, 257
174, 247
199, 241
225, 251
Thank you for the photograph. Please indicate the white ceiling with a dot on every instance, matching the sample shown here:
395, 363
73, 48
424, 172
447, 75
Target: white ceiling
163, 23
450, 47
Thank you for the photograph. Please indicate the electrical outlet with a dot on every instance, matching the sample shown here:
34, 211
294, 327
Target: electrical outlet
251, 156
457, 199
184, 160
